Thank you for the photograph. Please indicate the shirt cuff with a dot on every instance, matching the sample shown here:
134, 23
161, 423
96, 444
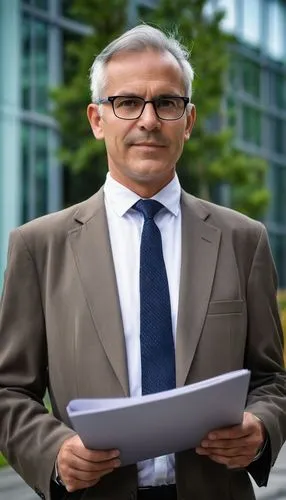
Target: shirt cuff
261, 449
56, 477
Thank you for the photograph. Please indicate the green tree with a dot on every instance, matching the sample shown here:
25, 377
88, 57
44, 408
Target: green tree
83, 157
209, 158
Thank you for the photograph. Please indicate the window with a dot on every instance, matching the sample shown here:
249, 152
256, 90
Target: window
41, 67
231, 112
275, 45
251, 121
277, 91
278, 133
39, 4
34, 171
250, 77
234, 69
26, 80
278, 245
229, 21
34, 65
26, 161
251, 21
278, 195
41, 171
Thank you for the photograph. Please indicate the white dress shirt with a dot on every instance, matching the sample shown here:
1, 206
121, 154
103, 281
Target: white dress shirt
125, 227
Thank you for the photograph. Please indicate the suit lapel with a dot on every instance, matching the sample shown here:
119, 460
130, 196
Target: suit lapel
200, 245
92, 250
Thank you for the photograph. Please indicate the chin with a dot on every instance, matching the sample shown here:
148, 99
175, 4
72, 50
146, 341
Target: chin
149, 174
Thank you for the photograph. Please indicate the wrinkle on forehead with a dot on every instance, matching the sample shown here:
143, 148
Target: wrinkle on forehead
144, 73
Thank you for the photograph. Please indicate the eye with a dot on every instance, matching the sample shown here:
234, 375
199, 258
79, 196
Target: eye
167, 103
128, 102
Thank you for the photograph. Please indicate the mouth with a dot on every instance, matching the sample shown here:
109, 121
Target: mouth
148, 145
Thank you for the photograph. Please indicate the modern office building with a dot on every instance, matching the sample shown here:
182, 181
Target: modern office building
32, 34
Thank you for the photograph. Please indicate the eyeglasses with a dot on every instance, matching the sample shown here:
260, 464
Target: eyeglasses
132, 107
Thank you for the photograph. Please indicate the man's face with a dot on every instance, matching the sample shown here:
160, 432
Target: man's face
142, 153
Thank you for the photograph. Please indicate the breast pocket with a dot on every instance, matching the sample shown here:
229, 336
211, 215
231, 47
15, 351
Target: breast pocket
223, 338
225, 307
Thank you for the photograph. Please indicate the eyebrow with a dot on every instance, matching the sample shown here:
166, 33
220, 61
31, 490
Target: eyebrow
158, 96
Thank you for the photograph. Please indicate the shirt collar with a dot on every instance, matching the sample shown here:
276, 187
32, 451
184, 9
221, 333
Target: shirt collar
121, 199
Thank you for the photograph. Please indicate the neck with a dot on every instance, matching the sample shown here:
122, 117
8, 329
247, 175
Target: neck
143, 189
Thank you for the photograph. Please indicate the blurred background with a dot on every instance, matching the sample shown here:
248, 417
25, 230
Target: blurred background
236, 155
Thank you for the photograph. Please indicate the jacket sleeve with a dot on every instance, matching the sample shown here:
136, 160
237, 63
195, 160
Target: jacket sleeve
30, 437
264, 357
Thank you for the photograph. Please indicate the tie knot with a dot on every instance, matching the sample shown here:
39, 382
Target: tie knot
148, 208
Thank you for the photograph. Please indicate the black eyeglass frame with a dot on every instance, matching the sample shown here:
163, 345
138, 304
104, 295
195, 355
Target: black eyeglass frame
111, 99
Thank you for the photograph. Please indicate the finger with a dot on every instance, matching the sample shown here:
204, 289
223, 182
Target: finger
83, 475
232, 463
251, 440
95, 456
250, 425
80, 464
72, 484
236, 432
87, 477
232, 452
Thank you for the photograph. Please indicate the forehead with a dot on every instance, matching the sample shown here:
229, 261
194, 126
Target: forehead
148, 72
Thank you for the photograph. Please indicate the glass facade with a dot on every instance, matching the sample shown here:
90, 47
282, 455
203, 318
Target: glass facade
275, 29
35, 167
251, 21
35, 65
256, 99
10, 186
31, 36
259, 23
40, 70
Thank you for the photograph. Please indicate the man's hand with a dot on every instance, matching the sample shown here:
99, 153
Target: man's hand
80, 468
235, 446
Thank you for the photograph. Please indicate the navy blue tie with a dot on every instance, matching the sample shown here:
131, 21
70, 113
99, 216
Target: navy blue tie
156, 337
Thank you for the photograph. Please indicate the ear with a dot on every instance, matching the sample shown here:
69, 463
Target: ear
95, 120
191, 118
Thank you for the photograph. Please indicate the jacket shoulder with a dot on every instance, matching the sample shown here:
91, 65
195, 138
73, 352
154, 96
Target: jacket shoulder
223, 217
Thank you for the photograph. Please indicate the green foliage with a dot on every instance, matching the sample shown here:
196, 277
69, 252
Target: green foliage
3, 462
209, 158
80, 153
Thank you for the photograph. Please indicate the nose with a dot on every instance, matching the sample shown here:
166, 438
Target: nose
149, 120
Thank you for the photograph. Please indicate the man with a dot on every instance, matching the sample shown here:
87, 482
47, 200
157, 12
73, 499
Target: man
90, 290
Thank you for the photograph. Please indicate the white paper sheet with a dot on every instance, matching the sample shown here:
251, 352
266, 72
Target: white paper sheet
158, 424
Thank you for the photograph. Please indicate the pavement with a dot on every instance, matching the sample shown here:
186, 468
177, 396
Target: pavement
276, 488
12, 487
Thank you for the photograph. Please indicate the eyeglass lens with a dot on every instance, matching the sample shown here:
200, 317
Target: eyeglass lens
169, 108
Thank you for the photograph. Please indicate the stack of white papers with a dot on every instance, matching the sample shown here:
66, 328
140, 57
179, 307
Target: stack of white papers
162, 423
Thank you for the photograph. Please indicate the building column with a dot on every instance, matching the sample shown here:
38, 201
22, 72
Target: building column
10, 143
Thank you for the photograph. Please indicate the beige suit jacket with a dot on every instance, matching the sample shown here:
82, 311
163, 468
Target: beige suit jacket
61, 328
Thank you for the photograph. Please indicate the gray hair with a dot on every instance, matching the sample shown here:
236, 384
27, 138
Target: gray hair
139, 39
